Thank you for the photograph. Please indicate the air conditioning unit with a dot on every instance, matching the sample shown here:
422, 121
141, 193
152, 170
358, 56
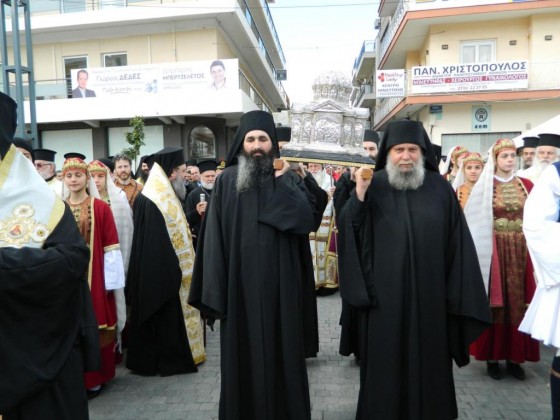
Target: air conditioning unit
377, 24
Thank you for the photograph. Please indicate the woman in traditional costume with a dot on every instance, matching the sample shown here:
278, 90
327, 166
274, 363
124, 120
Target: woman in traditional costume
494, 213
106, 273
453, 162
116, 198
470, 171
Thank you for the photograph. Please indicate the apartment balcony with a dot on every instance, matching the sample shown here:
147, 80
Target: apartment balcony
364, 64
411, 21
55, 104
542, 81
83, 21
365, 96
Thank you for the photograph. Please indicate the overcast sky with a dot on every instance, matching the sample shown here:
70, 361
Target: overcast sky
321, 35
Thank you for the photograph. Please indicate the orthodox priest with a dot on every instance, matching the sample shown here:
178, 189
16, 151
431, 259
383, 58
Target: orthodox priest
43, 294
248, 273
408, 260
164, 332
198, 199
44, 162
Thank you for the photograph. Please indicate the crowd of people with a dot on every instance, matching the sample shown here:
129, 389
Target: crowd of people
435, 263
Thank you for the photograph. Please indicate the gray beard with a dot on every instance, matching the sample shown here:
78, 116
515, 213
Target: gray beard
252, 171
319, 177
206, 186
406, 180
179, 188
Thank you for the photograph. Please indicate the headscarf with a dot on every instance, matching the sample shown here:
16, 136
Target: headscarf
406, 131
252, 120
479, 212
452, 155
8, 122
460, 178
74, 164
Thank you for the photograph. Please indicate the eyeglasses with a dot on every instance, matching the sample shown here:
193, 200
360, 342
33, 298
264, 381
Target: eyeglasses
40, 165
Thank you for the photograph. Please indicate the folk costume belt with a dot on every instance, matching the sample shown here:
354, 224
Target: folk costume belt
505, 225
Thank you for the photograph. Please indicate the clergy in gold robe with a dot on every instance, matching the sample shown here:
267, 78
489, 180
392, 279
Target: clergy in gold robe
165, 333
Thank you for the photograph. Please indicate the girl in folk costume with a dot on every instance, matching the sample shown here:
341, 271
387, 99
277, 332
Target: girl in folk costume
469, 173
97, 226
122, 213
453, 162
494, 213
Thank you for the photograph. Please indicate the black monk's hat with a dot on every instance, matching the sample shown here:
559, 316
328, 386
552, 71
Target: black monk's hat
139, 168
71, 155
108, 162
252, 120
548, 139
169, 158
530, 142
406, 131
44, 154
24, 144
207, 165
8, 122
370, 135
284, 133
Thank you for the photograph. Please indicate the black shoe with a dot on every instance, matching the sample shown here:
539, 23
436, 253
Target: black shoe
92, 393
493, 369
515, 370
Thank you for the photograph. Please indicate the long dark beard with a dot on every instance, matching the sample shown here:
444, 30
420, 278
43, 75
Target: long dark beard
252, 171
406, 180
179, 188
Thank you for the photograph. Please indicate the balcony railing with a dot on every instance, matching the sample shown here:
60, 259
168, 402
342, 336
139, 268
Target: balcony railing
273, 30
251, 21
367, 46
363, 90
396, 21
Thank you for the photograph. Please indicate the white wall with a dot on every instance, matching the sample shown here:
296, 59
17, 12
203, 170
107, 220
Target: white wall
64, 141
153, 139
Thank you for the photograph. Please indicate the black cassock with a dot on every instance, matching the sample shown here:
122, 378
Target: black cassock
249, 274
349, 317
48, 331
408, 260
157, 336
193, 217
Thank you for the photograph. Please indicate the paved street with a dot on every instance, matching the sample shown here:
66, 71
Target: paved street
333, 386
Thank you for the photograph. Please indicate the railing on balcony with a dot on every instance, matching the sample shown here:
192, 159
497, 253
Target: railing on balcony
250, 20
396, 21
363, 90
246, 86
367, 46
273, 30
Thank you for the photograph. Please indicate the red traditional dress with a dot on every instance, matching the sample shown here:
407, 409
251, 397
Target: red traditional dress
97, 226
511, 279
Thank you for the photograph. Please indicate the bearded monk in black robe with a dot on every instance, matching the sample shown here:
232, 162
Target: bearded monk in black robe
409, 263
249, 274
